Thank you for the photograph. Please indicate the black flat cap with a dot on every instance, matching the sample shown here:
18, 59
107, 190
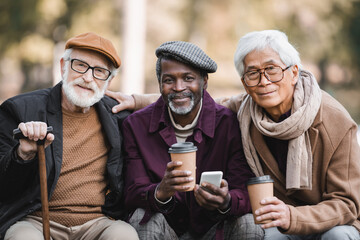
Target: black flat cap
185, 52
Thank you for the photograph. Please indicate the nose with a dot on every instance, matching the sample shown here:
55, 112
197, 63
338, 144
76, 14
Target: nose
263, 79
88, 76
179, 85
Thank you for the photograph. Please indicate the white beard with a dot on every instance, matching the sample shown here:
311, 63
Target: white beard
82, 100
181, 110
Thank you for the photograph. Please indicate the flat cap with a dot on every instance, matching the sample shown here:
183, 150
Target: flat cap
187, 53
94, 42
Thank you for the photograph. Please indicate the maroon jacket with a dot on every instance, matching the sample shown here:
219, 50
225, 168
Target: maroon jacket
148, 134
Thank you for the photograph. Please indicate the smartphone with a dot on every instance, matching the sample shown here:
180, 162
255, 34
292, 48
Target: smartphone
213, 177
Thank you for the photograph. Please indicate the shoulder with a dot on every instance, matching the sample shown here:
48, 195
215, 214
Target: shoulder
30, 98
109, 103
27, 101
142, 116
331, 109
335, 120
225, 114
222, 113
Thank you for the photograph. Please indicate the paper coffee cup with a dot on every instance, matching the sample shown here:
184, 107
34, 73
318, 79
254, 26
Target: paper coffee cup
186, 153
259, 188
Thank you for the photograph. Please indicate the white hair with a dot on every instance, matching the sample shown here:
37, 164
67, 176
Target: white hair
260, 40
66, 56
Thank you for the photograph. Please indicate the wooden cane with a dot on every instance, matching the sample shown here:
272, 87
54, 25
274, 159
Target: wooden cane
43, 191
43, 182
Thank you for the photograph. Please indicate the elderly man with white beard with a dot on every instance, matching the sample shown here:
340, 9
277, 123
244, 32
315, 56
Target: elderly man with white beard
83, 154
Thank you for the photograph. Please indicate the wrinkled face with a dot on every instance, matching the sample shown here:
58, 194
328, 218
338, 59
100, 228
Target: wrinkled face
82, 89
181, 87
271, 96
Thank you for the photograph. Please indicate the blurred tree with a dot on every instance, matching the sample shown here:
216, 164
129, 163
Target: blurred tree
352, 30
17, 19
326, 33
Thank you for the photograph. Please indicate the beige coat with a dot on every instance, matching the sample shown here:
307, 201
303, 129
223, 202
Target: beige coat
335, 196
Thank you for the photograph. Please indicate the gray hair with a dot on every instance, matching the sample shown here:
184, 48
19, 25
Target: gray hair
259, 40
66, 56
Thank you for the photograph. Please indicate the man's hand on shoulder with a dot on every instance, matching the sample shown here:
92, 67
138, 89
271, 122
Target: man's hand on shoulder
125, 101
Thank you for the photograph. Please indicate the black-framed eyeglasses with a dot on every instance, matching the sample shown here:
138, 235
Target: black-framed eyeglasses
272, 73
97, 72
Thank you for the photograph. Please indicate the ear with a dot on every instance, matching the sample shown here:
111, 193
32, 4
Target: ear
109, 82
295, 74
160, 86
245, 87
62, 64
206, 81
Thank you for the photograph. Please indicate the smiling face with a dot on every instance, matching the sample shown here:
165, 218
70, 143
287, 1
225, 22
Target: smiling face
275, 98
83, 90
181, 87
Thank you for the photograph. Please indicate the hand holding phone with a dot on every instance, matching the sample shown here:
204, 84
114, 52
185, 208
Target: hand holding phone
213, 177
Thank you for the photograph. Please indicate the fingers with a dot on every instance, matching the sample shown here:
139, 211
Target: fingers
173, 164
212, 197
110, 94
174, 181
34, 131
274, 210
125, 101
271, 200
221, 191
49, 139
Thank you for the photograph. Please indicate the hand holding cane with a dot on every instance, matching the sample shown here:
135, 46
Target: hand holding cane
43, 182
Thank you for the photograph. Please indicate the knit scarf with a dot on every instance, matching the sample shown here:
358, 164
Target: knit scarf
306, 104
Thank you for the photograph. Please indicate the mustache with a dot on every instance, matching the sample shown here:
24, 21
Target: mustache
82, 83
171, 96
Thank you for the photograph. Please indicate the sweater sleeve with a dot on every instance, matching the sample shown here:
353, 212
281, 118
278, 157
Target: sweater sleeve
233, 103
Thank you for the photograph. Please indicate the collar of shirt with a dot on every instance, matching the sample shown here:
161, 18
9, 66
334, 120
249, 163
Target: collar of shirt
160, 118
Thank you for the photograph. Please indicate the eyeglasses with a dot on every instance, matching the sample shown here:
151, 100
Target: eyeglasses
272, 73
97, 72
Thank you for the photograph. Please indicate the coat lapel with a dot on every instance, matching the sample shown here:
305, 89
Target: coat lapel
54, 118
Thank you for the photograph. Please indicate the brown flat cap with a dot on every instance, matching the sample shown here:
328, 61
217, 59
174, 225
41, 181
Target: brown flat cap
92, 41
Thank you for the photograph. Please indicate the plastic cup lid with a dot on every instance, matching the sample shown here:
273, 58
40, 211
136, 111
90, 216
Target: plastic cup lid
183, 147
261, 179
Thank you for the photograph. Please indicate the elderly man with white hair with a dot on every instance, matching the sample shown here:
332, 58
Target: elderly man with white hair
289, 131
83, 154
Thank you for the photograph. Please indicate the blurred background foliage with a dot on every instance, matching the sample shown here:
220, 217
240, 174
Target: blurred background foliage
325, 32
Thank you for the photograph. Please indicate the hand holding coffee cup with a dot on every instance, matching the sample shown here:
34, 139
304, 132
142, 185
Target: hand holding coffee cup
186, 153
259, 188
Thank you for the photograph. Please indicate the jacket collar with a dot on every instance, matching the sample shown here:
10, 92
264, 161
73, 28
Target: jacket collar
54, 103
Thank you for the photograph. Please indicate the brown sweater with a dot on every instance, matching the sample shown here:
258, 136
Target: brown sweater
80, 190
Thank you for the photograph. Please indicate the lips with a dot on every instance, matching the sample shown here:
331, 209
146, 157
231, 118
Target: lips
180, 97
179, 101
265, 93
85, 88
